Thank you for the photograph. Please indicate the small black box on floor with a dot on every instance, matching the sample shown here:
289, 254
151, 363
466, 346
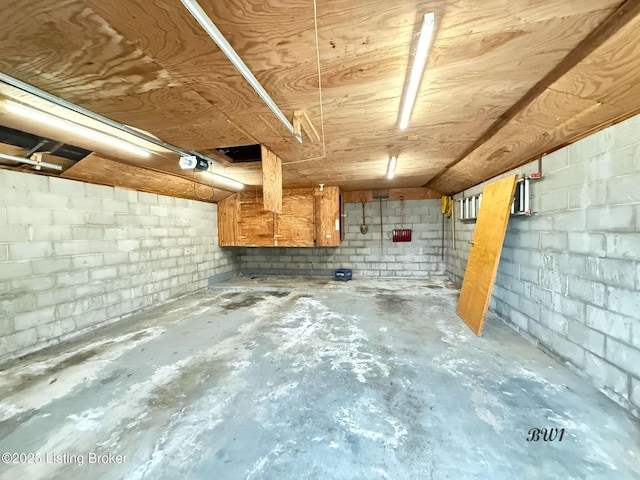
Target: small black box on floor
342, 274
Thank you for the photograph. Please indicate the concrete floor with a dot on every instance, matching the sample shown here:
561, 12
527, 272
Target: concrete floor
276, 378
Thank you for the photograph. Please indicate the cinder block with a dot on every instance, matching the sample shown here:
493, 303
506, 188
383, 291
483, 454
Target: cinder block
63, 186
554, 321
594, 244
49, 201
619, 273
591, 340
68, 279
568, 350
30, 250
607, 375
624, 357
568, 307
609, 323
610, 218
635, 392
588, 195
32, 283
54, 297
625, 302
129, 196
587, 290
99, 191
571, 220
28, 216
50, 265
103, 273
94, 218
24, 321
624, 134
556, 241
148, 198
623, 245
19, 340
588, 147
55, 329
540, 295
85, 204
24, 181
571, 264
556, 200
624, 189
556, 161
553, 281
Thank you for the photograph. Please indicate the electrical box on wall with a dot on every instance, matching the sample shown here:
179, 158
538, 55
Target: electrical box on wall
521, 206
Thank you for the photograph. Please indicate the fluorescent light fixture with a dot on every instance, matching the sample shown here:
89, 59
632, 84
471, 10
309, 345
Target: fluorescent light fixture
13, 158
72, 127
391, 167
223, 182
207, 24
417, 68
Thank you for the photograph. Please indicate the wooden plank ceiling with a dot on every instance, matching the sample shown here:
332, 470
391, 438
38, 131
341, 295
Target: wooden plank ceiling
148, 64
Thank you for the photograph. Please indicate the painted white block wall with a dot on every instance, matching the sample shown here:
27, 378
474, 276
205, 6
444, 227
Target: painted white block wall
365, 254
569, 277
75, 255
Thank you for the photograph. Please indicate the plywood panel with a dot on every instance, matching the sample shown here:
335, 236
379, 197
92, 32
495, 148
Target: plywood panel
95, 169
271, 180
327, 216
228, 217
359, 196
255, 225
485, 252
295, 225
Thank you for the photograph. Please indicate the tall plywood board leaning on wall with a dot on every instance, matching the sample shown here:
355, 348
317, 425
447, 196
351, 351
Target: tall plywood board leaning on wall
486, 248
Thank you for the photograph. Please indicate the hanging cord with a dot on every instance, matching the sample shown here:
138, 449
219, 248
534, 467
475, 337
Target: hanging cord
401, 212
447, 206
195, 188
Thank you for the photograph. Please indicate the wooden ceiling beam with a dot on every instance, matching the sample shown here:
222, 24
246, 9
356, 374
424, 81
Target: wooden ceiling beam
624, 14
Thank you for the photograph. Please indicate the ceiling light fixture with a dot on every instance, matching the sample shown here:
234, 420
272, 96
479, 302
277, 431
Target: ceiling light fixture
223, 182
417, 68
207, 24
391, 167
72, 127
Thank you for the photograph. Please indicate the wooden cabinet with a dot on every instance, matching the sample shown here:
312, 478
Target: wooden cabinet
327, 216
309, 218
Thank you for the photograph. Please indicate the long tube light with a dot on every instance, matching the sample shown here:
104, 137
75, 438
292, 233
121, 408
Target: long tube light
30, 89
72, 127
223, 182
417, 68
207, 24
28, 161
391, 167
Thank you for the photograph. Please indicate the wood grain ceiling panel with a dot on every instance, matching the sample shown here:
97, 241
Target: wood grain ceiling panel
65, 48
148, 63
95, 169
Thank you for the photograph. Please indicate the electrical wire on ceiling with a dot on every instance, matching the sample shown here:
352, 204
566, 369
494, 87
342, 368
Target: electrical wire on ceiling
195, 188
324, 147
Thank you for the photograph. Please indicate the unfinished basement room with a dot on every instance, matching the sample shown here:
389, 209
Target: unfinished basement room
320, 239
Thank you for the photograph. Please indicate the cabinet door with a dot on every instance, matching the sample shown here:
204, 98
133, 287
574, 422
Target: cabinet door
255, 224
294, 226
327, 216
228, 221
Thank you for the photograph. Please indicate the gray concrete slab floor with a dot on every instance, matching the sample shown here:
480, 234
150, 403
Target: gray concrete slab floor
285, 378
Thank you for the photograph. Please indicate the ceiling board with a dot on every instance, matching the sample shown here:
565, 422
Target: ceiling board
147, 63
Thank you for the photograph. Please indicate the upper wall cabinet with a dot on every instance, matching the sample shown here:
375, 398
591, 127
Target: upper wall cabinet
309, 217
328, 208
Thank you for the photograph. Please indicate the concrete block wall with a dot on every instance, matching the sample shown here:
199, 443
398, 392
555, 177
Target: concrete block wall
422, 257
75, 255
569, 277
